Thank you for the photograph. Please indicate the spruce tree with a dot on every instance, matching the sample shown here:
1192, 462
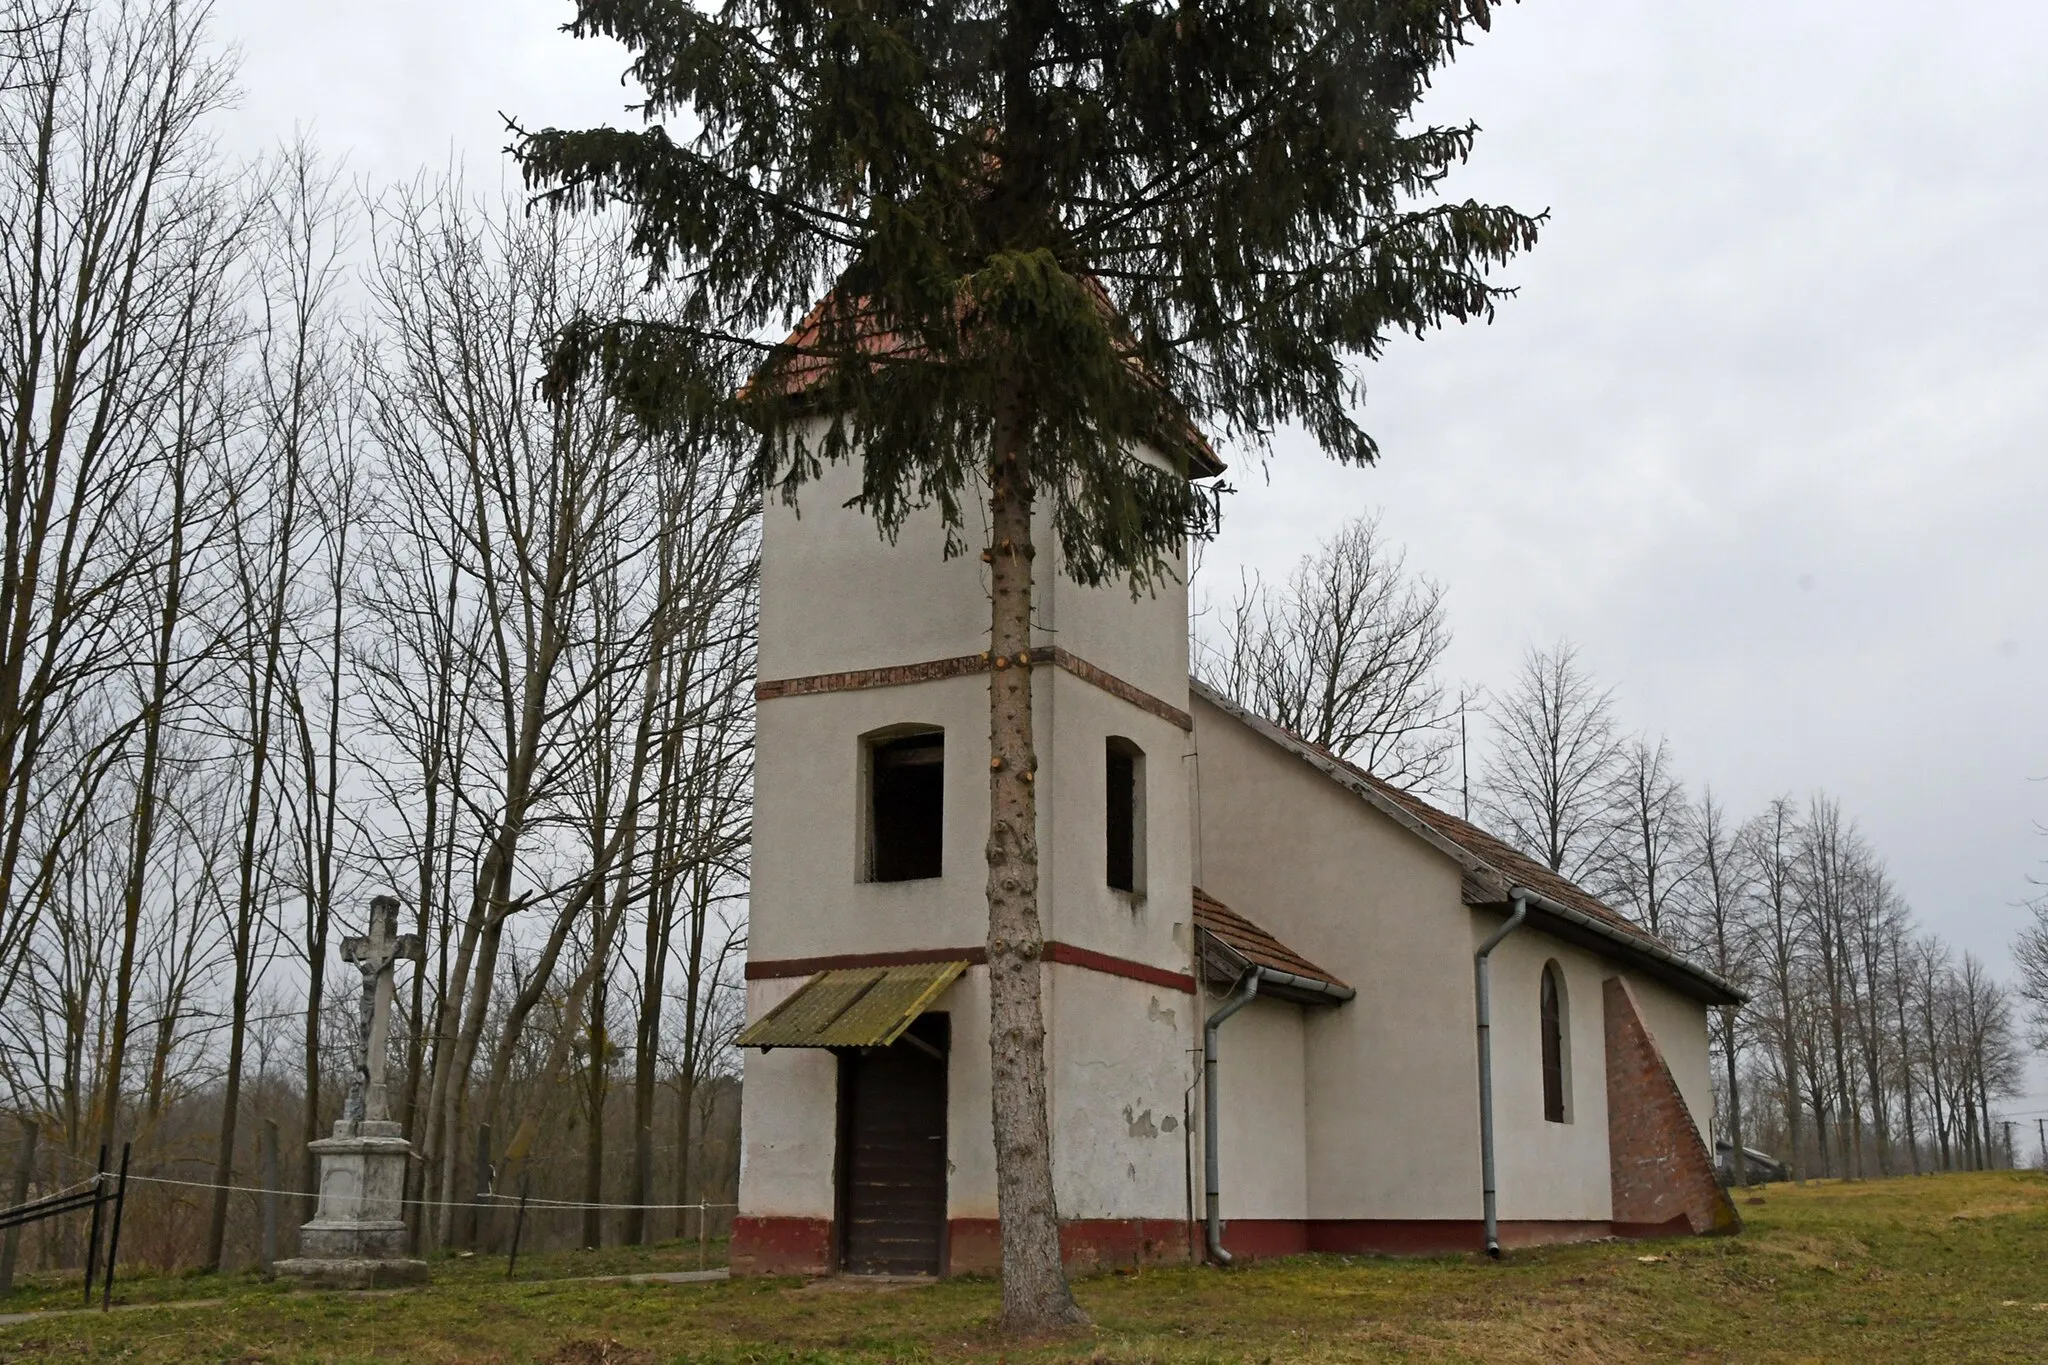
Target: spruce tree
1047, 233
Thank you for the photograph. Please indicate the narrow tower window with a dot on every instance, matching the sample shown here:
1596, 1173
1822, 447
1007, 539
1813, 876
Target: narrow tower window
1556, 1056
906, 807
1124, 824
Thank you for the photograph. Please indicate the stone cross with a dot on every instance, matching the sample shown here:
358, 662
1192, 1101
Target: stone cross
372, 955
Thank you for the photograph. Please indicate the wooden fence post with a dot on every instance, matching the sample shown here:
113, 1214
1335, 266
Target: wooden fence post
92, 1239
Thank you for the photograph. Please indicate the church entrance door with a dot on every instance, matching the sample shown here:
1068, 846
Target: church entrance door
892, 1154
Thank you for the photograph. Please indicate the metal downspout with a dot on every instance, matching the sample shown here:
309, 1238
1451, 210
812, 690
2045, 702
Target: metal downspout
1484, 1003
1247, 988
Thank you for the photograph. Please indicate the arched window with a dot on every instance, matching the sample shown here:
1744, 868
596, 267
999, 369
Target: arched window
1557, 1058
1124, 807
905, 810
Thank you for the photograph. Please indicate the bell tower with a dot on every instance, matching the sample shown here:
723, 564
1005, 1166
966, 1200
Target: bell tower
871, 814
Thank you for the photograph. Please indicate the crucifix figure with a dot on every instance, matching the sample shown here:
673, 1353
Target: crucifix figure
372, 955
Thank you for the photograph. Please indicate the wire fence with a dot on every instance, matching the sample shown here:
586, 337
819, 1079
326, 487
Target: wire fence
521, 1204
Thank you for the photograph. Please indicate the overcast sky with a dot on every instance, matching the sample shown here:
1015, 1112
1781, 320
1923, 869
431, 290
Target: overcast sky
1761, 432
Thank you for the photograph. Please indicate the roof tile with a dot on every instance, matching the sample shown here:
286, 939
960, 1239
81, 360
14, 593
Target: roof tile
1252, 943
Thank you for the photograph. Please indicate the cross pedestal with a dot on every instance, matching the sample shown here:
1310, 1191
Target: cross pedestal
357, 1237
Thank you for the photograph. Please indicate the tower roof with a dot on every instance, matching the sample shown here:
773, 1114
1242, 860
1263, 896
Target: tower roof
803, 362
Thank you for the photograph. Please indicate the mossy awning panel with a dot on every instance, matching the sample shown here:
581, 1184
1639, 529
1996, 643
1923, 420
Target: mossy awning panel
853, 1006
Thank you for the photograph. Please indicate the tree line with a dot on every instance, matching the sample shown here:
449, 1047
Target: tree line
310, 593
1868, 1047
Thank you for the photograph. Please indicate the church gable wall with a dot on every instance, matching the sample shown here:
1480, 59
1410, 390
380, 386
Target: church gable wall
1390, 1076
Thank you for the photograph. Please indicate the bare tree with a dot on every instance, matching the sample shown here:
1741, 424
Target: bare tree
1654, 847
103, 170
1723, 889
1771, 842
2030, 961
1548, 787
1346, 656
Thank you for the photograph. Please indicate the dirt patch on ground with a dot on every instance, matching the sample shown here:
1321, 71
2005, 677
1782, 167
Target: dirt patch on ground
599, 1353
1995, 1209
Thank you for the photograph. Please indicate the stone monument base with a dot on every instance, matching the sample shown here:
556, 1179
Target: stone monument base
316, 1273
357, 1237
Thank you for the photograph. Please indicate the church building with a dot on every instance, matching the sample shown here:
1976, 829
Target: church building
1197, 863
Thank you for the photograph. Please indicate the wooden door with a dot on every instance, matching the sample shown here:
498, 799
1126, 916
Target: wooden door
892, 1146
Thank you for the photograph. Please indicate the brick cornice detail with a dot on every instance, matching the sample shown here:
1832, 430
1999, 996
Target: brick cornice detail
1067, 955
965, 665
1064, 954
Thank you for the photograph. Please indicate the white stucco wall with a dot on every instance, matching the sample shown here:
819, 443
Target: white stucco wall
1262, 1082
806, 897
1392, 1077
786, 1152
1546, 1170
1391, 1127
836, 596
1118, 1062
1077, 905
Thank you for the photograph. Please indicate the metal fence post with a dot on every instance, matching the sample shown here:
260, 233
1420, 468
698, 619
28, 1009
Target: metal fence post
24, 1172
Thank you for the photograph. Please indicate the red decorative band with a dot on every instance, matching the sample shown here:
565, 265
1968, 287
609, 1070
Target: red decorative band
1068, 955
771, 969
1116, 687
1065, 954
965, 665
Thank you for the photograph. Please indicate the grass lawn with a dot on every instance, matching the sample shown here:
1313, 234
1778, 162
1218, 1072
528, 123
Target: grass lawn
1947, 1268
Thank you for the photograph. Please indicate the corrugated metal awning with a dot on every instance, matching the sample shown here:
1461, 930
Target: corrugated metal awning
853, 1007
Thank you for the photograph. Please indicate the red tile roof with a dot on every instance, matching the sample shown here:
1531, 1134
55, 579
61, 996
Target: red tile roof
808, 357
1492, 868
1250, 942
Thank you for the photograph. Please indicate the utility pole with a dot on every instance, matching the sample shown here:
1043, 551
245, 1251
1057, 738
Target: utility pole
2009, 1163
2041, 1129
1464, 761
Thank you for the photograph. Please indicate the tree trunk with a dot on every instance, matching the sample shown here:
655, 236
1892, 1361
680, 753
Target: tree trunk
686, 1074
1905, 1056
24, 1173
660, 912
593, 1147
1036, 1297
145, 805
1791, 1066
1739, 1161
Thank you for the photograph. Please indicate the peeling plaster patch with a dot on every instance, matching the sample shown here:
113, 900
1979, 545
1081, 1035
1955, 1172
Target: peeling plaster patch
1181, 938
1154, 1012
1168, 1124
1141, 1126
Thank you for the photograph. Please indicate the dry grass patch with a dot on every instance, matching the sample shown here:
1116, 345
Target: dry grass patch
1876, 1272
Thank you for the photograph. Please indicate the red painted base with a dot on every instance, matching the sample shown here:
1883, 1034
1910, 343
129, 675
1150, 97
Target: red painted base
1087, 1245
803, 1246
1262, 1238
781, 1246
